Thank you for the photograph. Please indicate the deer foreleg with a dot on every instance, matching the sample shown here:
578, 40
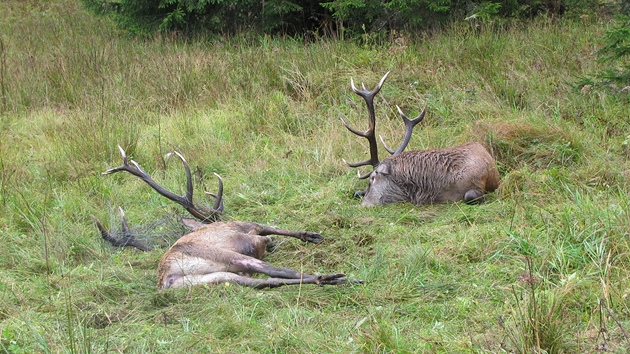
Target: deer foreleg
306, 236
253, 228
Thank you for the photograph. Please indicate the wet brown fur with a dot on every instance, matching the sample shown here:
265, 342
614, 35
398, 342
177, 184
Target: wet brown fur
433, 176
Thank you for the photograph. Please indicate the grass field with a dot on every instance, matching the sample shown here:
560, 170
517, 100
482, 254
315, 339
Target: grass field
542, 266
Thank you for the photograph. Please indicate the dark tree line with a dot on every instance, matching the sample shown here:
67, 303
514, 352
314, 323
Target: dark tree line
322, 18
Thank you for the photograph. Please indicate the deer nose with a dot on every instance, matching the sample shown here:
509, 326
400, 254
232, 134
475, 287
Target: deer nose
359, 194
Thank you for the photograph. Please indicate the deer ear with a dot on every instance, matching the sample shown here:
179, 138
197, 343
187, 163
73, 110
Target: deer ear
382, 168
192, 223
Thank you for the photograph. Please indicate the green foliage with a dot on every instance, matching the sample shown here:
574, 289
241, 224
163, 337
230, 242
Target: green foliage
616, 53
486, 12
203, 16
351, 18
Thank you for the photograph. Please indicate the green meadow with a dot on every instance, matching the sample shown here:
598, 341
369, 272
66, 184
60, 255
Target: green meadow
542, 266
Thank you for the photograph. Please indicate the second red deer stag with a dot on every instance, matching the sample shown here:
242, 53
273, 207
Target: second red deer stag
465, 172
216, 252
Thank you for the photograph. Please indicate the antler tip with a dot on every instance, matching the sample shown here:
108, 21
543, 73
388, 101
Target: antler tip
110, 171
382, 80
352, 86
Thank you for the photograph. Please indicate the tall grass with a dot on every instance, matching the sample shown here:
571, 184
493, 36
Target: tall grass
542, 266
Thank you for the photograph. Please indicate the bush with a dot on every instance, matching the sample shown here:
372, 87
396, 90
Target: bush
215, 16
304, 18
616, 53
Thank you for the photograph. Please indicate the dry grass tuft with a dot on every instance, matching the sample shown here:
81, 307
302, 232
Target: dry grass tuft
524, 143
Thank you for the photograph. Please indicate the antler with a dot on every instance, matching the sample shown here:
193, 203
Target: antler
127, 239
369, 134
202, 213
409, 124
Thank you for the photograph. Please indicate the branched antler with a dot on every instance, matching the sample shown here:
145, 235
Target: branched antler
202, 213
370, 135
409, 124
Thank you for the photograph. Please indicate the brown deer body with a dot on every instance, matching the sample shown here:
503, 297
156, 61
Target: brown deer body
229, 252
216, 252
465, 172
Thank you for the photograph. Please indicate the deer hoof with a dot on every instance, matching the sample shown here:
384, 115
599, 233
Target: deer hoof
312, 237
331, 279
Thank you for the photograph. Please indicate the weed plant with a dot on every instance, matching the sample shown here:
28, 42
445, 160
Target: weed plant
541, 267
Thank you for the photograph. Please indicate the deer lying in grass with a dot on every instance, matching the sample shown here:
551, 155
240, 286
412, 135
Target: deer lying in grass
465, 172
216, 252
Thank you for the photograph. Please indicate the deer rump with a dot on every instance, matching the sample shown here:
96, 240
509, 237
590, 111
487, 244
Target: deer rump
465, 172
215, 252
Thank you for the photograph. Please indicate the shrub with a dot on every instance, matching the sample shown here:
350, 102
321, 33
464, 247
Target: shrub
352, 18
614, 53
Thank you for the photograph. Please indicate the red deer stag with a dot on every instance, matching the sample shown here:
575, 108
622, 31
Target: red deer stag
216, 252
465, 172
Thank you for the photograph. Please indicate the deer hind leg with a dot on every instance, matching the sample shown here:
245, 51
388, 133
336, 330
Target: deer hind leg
245, 264
189, 270
258, 283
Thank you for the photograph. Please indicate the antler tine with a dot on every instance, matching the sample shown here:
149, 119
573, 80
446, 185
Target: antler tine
189, 185
218, 204
365, 92
368, 96
385, 145
354, 131
409, 125
201, 213
358, 164
123, 221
